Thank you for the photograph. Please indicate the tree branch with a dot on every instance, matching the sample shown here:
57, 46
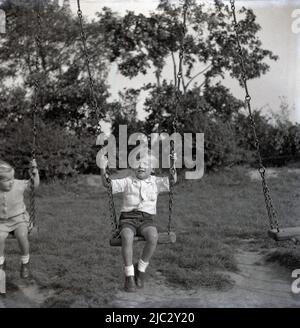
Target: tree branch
175, 68
201, 85
157, 75
184, 85
195, 76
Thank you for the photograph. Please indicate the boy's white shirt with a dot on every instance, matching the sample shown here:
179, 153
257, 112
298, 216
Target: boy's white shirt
140, 194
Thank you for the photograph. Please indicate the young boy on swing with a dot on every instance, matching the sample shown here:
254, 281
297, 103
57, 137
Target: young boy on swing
140, 192
13, 215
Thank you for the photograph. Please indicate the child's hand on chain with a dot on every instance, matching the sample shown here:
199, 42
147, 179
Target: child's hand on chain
33, 167
173, 157
103, 162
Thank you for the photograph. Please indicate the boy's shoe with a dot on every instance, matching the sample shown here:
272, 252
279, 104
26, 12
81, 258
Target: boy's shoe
24, 272
139, 277
130, 284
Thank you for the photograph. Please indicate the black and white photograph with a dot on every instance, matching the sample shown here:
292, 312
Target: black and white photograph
149, 156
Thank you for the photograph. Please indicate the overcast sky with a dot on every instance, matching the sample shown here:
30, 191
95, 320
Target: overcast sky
276, 19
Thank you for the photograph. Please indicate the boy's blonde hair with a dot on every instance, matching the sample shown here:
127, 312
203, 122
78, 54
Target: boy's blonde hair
5, 167
153, 160
146, 153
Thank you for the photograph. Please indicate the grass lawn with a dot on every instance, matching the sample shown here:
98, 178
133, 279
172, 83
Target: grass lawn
72, 255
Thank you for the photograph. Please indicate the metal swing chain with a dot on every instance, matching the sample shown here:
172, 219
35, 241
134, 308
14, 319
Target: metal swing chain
32, 207
272, 214
113, 216
38, 42
175, 119
93, 97
94, 103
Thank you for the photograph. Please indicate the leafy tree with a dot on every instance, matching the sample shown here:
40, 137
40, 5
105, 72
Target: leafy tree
13, 105
279, 139
59, 153
124, 112
57, 62
141, 44
138, 42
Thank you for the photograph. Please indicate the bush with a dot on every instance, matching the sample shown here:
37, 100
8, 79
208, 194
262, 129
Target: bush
220, 143
59, 153
279, 141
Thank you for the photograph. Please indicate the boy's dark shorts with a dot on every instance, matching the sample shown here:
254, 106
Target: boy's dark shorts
136, 221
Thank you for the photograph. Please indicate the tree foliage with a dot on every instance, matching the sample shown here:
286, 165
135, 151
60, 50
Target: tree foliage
139, 43
56, 62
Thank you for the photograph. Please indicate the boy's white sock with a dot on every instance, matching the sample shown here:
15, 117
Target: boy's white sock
142, 266
129, 270
2, 259
25, 259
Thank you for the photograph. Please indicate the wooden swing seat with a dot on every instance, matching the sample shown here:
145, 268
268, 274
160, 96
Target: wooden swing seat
163, 238
285, 233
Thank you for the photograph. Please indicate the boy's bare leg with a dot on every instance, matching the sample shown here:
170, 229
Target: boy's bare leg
151, 236
3, 236
21, 234
127, 237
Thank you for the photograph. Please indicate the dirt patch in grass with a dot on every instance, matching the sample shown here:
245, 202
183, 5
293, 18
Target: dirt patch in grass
24, 294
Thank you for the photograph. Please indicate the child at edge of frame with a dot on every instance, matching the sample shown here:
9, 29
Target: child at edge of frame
14, 218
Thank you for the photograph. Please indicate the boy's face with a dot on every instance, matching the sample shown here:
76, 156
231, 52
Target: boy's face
144, 169
7, 180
